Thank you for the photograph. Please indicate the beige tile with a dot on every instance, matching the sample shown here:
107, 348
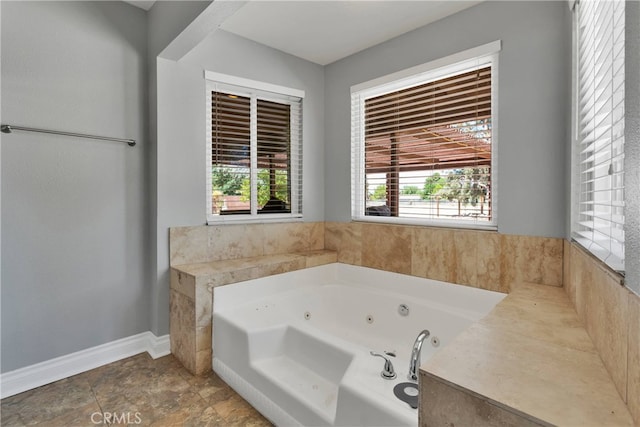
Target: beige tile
444, 404
235, 241
529, 256
420, 241
433, 254
552, 261
188, 245
204, 303
582, 279
182, 329
606, 320
541, 312
387, 247
315, 258
203, 361
287, 237
183, 283
297, 263
346, 240
558, 384
316, 236
466, 250
203, 337
531, 259
440, 255
633, 360
488, 261
568, 281
508, 258
207, 271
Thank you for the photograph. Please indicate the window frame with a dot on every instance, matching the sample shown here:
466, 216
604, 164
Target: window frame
255, 90
414, 76
615, 260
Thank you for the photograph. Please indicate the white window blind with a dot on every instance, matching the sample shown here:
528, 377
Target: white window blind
254, 145
598, 207
422, 147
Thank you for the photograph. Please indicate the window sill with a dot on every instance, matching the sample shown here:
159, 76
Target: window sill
252, 219
427, 223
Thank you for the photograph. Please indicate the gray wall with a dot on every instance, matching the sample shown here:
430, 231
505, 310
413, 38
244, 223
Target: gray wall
533, 92
181, 148
166, 20
632, 145
74, 211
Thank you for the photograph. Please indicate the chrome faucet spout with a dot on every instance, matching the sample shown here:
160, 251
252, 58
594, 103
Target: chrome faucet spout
414, 363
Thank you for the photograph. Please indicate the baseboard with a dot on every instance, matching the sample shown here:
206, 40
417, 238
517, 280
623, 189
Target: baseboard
46, 372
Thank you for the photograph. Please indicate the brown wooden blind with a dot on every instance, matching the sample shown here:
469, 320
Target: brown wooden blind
230, 130
274, 154
426, 124
441, 126
231, 154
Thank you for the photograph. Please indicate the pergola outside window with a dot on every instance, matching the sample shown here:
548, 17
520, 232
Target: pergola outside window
423, 150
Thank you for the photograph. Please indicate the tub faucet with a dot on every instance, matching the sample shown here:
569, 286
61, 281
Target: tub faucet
414, 363
388, 373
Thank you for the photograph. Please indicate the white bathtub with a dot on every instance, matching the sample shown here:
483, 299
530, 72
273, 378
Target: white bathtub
296, 345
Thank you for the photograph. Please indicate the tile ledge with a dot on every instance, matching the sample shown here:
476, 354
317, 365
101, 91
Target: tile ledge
503, 353
229, 265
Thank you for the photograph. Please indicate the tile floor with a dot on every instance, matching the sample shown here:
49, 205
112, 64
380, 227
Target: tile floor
134, 391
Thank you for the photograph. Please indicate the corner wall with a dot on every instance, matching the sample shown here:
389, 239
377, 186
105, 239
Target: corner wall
181, 144
611, 315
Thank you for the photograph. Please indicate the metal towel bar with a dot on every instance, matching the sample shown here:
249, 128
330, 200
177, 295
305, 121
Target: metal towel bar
10, 128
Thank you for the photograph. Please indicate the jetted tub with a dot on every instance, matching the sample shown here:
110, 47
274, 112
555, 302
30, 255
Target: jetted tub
297, 345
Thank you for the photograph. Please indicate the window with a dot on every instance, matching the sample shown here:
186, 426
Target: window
598, 132
254, 141
423, 143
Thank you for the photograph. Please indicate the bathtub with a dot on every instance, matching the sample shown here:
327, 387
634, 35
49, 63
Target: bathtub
297, 345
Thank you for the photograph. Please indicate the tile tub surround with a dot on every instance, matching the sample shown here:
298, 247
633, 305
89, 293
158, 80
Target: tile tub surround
202, 257
477, 258
206, 256
191, 297
483, 259
192, 245
529, 362
611, 315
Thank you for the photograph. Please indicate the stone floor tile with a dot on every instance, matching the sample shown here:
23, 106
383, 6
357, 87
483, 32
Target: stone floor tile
135, 391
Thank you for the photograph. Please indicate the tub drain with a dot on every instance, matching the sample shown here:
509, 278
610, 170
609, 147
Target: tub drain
307, 315
408, 393
369, 318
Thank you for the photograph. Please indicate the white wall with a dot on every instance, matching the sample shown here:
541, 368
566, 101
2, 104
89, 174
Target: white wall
74, 211
181, 130
533, 93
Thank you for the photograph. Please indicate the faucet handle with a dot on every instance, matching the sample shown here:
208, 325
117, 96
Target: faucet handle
388, 373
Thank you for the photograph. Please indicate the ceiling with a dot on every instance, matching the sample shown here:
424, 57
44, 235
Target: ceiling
326, 31
142, 4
